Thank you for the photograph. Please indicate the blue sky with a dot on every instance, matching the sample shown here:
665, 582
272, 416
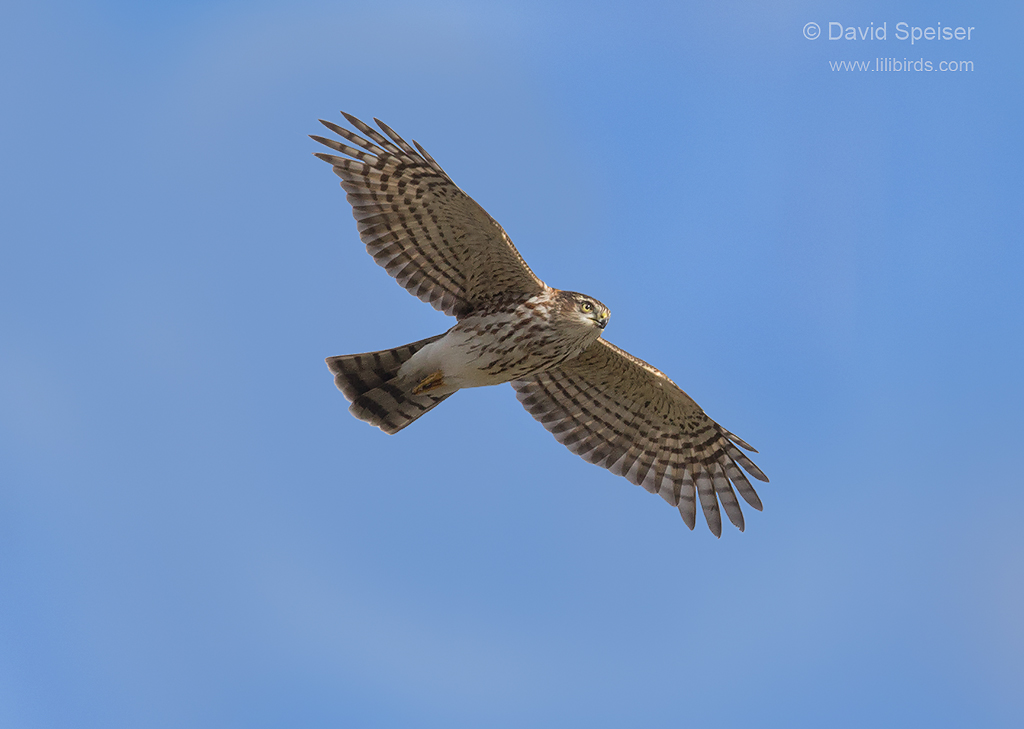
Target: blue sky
195, 532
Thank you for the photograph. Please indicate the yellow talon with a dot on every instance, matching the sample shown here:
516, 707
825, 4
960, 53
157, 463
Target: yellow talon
431, 382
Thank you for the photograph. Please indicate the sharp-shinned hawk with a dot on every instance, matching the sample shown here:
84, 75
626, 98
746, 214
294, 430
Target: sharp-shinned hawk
603, 404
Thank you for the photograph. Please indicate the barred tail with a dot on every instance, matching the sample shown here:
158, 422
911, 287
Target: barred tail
368, 381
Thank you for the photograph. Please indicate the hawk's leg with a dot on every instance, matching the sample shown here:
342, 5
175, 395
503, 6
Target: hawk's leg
431, 382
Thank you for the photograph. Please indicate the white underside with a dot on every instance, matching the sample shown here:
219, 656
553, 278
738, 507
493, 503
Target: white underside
495, 342
457, 355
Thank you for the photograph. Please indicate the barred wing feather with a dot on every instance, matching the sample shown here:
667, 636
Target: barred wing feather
416, 223
616, 411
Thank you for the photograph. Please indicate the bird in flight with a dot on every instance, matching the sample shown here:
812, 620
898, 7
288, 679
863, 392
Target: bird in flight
603, 404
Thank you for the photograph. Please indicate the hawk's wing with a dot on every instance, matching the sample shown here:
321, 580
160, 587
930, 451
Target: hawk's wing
430, 235
618, 412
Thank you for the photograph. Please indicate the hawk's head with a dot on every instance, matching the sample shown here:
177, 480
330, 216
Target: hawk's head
586, 310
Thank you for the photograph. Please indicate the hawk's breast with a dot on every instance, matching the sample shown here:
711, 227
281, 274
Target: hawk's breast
501, 345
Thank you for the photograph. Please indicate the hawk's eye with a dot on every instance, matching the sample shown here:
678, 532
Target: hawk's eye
587, 307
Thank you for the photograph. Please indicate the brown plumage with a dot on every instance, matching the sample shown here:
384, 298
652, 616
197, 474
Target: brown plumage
603, 404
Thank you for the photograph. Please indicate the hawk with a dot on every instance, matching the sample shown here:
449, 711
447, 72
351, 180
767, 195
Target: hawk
603, 404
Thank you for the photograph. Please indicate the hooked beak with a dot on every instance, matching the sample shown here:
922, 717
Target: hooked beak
601, 319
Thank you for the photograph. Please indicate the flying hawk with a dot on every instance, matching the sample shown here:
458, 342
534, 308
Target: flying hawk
603, 404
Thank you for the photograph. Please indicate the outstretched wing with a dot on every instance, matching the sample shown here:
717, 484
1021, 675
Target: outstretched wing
430, 235
616, 411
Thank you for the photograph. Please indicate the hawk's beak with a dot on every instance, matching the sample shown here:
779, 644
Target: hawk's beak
602, 319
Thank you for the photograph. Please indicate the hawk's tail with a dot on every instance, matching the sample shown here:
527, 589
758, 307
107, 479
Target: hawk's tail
377, 396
